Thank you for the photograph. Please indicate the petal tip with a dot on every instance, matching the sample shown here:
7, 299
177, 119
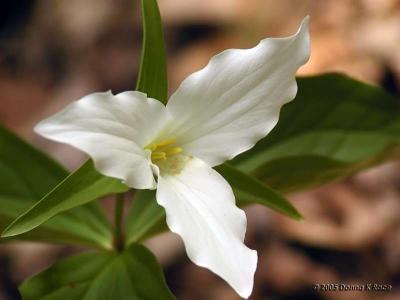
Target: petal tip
40, 128
304, 34
304, 26
37, 127
246, 290
306, 21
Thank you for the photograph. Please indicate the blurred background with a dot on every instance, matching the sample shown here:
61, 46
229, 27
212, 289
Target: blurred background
53, 52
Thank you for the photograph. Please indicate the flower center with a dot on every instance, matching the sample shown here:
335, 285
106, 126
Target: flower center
168, 156
162, 150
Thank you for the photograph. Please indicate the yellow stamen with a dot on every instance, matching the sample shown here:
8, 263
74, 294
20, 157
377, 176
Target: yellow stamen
173, 150
160, 144
162, 150
158, 156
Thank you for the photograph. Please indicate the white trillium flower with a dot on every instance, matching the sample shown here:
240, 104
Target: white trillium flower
215, 114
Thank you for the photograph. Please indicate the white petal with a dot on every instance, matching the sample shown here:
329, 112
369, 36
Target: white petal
200, 207
113, 131
225, 108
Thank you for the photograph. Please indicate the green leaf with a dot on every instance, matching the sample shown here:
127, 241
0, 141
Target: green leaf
250, 190
85, 226
132, 274
335, 127
26, 174
145, 217
153, 66
81, 187
24, 170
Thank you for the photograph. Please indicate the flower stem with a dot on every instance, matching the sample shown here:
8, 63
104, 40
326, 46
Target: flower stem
119, 240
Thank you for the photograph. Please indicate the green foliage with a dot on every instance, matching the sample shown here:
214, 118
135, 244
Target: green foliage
335, 127
249, 190
81, 187
145, 217
153, 65
132, 274
24, 170
26, 175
